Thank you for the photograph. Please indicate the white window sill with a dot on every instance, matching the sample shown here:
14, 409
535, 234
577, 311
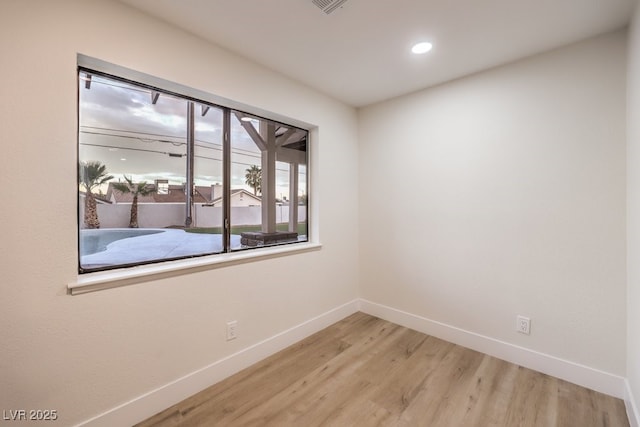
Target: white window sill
92, 282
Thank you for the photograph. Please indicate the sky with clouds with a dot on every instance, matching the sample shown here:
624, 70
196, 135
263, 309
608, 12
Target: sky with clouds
123, 129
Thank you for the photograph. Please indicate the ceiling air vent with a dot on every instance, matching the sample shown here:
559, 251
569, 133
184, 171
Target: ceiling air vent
328, 6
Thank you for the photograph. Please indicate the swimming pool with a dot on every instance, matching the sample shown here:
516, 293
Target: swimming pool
112, 247
96, 240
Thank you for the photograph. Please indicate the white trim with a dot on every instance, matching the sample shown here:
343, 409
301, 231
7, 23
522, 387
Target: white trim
582, 375
92, 282
630, 403
157, 400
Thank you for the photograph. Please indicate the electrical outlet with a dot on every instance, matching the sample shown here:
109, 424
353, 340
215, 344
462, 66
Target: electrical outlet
232, 330
523, 325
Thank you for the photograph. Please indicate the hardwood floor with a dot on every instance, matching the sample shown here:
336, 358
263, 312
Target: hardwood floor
364, 371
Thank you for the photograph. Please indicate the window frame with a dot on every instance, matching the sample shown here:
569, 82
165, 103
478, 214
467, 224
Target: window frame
119, 273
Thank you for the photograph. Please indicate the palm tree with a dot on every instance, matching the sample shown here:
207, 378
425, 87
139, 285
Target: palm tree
139, 189
253, 178
91, 175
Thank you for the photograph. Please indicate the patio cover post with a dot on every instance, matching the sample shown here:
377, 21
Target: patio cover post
293, 197
268, 134
190, 157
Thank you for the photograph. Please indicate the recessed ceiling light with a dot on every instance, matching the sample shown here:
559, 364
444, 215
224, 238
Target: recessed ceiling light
422, 47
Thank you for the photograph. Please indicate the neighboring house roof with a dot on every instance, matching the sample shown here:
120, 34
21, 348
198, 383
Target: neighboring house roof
175, 194
239, 191
100, 198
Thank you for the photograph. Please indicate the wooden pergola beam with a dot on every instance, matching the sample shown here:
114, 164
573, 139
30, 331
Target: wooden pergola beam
87, 82
282, 139
251, 130
289, 155
154, 96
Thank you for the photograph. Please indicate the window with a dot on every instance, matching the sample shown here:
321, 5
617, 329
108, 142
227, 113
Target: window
162, 186
164, 176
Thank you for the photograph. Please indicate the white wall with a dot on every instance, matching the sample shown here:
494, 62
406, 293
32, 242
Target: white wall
521, 176
151, 215
633, 211
86, 354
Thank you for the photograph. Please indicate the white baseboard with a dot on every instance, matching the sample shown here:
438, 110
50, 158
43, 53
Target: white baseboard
585, 376
163, 397
630, 404
151, 403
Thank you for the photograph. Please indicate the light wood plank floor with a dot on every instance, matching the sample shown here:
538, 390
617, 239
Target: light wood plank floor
364, 371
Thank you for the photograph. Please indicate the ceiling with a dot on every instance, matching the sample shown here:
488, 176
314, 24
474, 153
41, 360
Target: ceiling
360, 53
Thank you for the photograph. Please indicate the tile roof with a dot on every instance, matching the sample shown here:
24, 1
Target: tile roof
175, 194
